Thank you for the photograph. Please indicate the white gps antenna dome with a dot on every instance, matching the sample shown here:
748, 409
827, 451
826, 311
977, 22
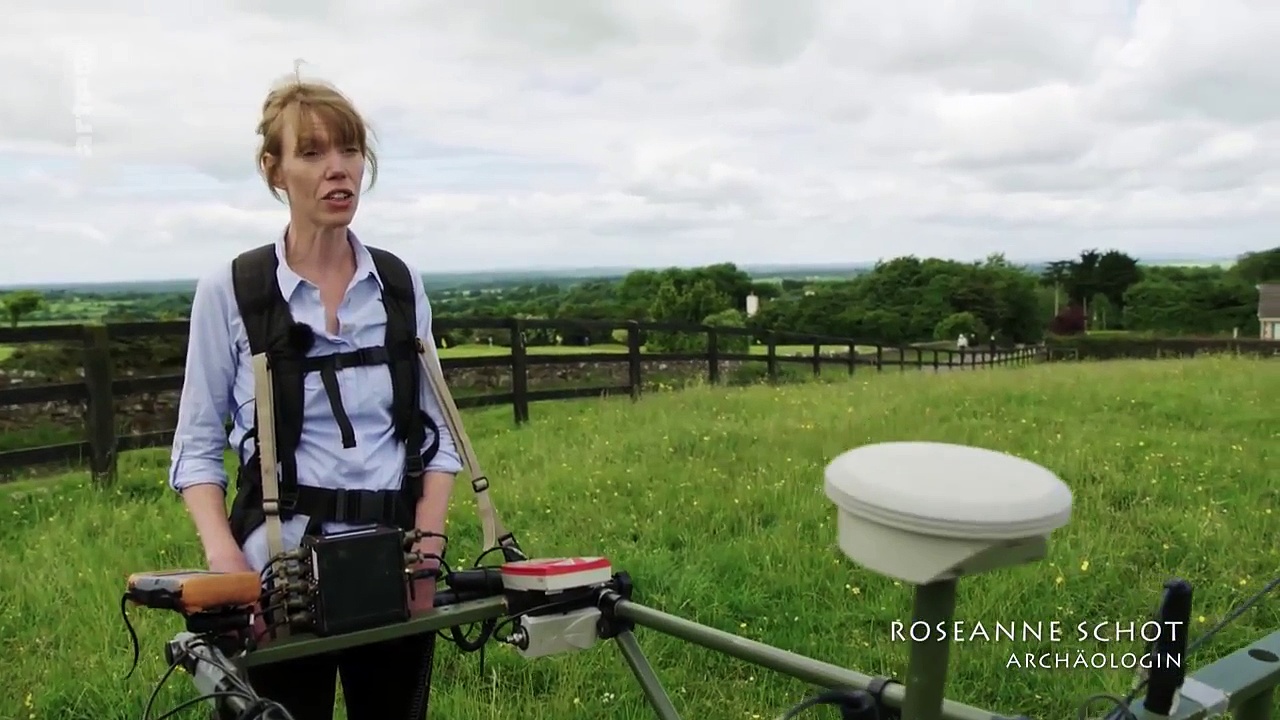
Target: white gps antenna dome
923, 512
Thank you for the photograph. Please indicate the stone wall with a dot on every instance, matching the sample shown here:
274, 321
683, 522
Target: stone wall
158, 411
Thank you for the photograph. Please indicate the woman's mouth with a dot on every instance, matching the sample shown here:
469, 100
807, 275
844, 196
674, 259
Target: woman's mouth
338, 199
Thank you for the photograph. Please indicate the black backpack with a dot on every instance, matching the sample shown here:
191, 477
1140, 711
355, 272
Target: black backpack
271, 329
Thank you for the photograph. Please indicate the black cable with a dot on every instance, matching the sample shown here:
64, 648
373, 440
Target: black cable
1119, 706
1235, 613
133, 635
456, 634
186, 704
155, 691
570, 603
1120, 709
853, 704
259, 708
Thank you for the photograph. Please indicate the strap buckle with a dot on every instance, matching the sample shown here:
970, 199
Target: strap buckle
413, 465
352, 358
286, 503
359, 506
340, 505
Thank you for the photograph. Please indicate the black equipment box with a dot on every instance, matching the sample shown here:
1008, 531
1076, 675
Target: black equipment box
359, 578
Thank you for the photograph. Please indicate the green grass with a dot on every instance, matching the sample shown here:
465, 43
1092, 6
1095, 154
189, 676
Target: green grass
712, 499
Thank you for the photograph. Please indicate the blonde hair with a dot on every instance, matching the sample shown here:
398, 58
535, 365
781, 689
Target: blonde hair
306, 105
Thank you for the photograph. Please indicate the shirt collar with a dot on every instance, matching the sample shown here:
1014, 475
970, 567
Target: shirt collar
290, 280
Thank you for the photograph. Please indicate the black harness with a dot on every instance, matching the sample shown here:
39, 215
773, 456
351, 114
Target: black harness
271, 329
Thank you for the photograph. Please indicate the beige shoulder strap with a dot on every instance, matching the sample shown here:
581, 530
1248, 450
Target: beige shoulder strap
264, 401
495, 534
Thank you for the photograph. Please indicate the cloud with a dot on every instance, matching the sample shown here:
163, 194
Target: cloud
521, 134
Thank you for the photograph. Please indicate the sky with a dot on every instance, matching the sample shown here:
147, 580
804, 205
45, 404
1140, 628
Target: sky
517, 134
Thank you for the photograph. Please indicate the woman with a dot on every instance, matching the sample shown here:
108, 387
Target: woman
315, 149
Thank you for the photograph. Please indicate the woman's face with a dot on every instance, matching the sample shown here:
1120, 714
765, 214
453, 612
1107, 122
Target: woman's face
320, 175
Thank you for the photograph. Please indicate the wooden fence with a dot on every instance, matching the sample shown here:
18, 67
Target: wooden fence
99, 388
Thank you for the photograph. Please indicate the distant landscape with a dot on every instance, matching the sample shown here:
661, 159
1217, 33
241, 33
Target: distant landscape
1183, 462
905, 300
490, 279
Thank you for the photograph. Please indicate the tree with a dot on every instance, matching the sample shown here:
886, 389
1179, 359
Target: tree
725, 342
1102, 313
1055, 275
688, 305
1070, 321
1199, 303
1116, 272
1082, 277
1259, 267
20, 303
951, 327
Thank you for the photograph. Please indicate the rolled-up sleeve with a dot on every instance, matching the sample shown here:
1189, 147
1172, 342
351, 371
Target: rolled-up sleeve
200, 440
447, 458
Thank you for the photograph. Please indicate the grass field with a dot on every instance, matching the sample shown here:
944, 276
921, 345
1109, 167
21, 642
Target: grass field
712, 499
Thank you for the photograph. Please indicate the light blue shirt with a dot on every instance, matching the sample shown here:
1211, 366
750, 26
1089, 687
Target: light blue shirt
219, 383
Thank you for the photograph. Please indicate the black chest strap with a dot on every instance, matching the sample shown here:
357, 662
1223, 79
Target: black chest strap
271, 329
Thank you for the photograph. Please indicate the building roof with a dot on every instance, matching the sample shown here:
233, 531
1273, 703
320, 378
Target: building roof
1269, 301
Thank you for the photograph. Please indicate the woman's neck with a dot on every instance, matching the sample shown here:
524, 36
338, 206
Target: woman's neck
312, 251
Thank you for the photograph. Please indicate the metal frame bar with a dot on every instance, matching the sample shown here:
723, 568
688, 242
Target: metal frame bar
1243, 683
646, 676
791, 664
442, 617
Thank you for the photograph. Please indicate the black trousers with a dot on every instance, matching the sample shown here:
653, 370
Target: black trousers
379, 681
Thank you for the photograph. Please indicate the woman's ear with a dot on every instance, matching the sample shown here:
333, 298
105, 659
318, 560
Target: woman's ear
271, 170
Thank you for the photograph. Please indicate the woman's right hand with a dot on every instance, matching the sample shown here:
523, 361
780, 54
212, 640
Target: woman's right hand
229, 560
233, 560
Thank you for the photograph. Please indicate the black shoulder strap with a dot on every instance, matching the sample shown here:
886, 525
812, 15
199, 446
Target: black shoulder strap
411, 421
268, 322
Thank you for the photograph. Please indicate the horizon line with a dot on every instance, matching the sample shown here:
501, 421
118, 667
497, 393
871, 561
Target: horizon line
588, 271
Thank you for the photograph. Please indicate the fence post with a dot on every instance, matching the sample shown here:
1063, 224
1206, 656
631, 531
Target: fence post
853, 357
817, 359
634, 380
879, 358
713, 356
919, 358
519, 372
772, 339
100, 414
935, 360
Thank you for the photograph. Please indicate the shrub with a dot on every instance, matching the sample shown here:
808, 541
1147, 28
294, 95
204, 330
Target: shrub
1069, 321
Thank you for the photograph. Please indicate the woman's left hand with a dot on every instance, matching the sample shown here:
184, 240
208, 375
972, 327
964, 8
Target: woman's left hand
423, 594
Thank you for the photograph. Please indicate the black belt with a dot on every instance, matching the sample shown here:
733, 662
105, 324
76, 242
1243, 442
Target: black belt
341, 505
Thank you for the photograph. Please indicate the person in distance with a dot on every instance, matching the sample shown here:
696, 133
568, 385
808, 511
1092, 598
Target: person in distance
367, 424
